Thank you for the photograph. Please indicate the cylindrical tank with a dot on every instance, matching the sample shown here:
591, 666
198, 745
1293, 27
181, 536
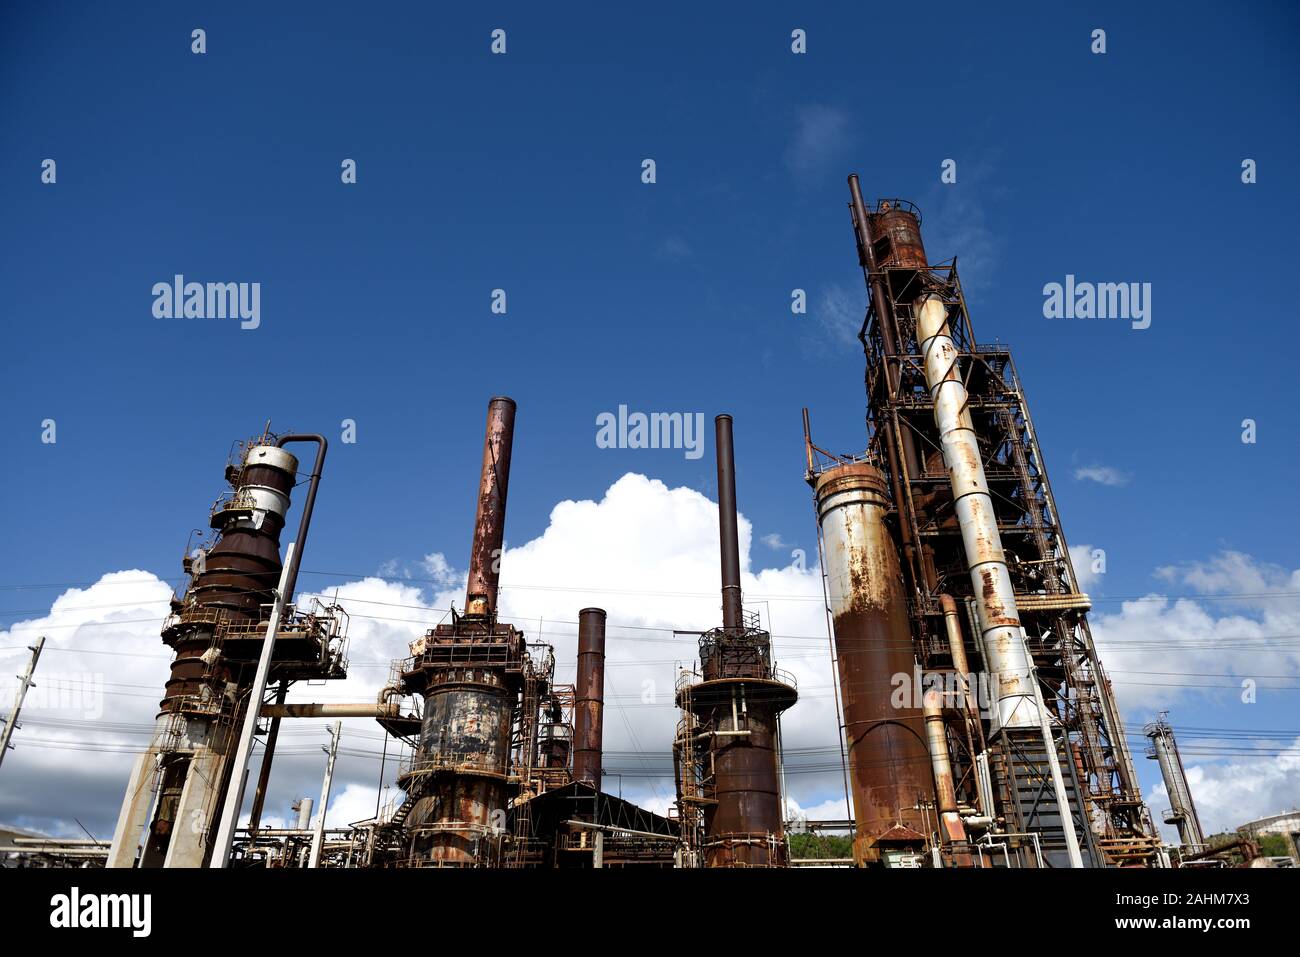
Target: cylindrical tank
888, 760
896, 235
463, 757
744, 827
589, 697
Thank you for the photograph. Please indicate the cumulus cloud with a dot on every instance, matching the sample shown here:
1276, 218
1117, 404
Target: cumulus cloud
1087, 571
645, 552
1163, 649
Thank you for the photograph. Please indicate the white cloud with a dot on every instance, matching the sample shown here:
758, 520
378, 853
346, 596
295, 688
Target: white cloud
645, 552
1082, 560
1231, 793
1161, 649
774, 540
1102, 475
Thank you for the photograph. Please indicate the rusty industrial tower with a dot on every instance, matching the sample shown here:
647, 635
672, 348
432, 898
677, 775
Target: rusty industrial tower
727, 748
943, 553
175, 796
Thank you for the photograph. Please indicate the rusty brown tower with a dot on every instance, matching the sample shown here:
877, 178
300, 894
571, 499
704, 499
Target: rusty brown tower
944, 557
727, 747
469, 673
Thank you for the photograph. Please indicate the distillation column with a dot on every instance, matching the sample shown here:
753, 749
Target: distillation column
1182, 809
177, 786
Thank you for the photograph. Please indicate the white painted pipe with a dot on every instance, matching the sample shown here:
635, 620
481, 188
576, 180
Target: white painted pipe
1004, 643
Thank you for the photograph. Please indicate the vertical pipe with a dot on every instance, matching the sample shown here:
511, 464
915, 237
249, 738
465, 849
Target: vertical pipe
732, 619
1007, 656
945, 789
960, 664
589, 699
304, 813
490, 518
252, 711
304, 521
291, 583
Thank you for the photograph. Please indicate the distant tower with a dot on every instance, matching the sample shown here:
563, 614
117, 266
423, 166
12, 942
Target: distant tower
1182, 809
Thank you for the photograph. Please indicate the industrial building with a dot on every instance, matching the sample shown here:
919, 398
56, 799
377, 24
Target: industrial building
947, 578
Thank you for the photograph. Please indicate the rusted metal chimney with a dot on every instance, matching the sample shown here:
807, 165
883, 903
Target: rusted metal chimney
490, 519
728, 534
469, 672
589, 697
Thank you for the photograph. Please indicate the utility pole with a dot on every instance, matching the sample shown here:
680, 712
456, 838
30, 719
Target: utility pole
26, 682
333, 751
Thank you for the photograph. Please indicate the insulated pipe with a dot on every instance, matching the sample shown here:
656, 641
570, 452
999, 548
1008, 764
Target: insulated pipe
999, 619
944, 788
364, 709
589, 697
490, 518
291, 583
304, 813
728, 536
304, 522
957, 648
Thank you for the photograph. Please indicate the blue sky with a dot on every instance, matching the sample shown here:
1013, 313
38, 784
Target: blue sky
522, 172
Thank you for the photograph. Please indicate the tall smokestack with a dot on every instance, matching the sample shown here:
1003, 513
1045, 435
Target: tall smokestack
728, 535
729, 786
589, 698
490, 519
469, 672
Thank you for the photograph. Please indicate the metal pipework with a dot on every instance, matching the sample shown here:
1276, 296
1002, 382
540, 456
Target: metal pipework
490, 518
291, 583
304, 521
944, 788
888, 759
1004, 645
957, 648
589, 697
319, 710
728, 534
885, 317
